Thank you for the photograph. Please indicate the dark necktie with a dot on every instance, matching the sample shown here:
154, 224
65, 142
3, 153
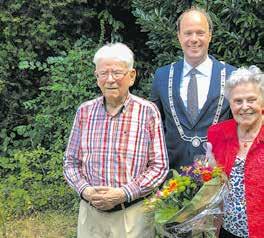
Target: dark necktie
192, 95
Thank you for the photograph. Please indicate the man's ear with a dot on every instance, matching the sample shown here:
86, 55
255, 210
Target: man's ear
97, 82
96, 78
132, 77
210, 36
178, 35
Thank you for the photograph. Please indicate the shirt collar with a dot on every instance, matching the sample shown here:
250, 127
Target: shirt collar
204, 68
125, 104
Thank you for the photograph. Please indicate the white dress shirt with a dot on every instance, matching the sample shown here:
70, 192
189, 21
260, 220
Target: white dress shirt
203, 81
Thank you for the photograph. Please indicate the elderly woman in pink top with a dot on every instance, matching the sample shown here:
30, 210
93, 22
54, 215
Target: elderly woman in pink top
238, 146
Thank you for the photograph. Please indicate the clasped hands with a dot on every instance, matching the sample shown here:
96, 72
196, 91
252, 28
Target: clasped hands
104, 198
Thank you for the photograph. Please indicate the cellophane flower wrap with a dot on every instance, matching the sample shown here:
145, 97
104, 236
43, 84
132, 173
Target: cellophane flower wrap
190, 202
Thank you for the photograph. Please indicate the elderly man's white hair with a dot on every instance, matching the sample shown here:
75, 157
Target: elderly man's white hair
116, 51
251, 74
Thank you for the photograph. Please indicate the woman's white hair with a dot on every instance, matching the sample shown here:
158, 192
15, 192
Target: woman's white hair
252, 74
116, 51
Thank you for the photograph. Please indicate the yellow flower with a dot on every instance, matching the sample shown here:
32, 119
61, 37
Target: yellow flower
165, 193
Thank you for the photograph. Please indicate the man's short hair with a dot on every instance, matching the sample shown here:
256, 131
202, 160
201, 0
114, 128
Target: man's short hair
196, 9
117, 51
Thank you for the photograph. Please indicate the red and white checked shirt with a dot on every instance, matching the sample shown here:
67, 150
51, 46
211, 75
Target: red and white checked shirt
126, 150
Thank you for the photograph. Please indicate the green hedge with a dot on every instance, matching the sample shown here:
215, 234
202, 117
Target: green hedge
70, 82
31, 31
32, 181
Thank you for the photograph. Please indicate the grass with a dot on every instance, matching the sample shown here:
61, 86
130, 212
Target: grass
50, 224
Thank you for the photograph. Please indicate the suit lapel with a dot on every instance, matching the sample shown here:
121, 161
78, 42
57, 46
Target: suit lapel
179, 106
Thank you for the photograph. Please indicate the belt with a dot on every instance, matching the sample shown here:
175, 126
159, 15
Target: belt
119, 207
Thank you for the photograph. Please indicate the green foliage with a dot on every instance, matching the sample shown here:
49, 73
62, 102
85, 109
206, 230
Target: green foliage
70, 81
237, 39
158, 18
30, 33
33, 180
142, 88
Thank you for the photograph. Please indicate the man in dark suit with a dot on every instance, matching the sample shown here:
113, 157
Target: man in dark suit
189, 93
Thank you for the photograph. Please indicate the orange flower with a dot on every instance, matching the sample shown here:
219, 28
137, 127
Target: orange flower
172, 185
207, 176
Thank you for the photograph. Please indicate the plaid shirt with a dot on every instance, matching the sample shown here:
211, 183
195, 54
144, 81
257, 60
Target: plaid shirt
126, 150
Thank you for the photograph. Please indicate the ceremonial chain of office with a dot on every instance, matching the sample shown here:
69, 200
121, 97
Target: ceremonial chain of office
195, 140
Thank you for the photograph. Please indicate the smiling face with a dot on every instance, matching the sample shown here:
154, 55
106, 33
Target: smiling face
114, 90
194, 37
246, 105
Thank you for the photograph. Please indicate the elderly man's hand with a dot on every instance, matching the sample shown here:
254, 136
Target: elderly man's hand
107, 197
88, 193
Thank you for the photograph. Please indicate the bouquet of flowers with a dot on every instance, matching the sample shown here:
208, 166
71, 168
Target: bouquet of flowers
190, 201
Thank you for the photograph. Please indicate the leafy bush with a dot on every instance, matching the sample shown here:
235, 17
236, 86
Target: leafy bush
70, 81
32, 180
32, 31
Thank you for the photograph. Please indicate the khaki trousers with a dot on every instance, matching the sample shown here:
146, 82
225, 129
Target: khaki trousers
131, 222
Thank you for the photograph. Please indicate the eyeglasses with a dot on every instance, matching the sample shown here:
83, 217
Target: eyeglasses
116, 75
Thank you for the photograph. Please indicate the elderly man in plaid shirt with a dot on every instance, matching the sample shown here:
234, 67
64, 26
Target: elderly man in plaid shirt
116, 154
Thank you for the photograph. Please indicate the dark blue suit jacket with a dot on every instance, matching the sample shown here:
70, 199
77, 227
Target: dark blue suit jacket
182, 152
